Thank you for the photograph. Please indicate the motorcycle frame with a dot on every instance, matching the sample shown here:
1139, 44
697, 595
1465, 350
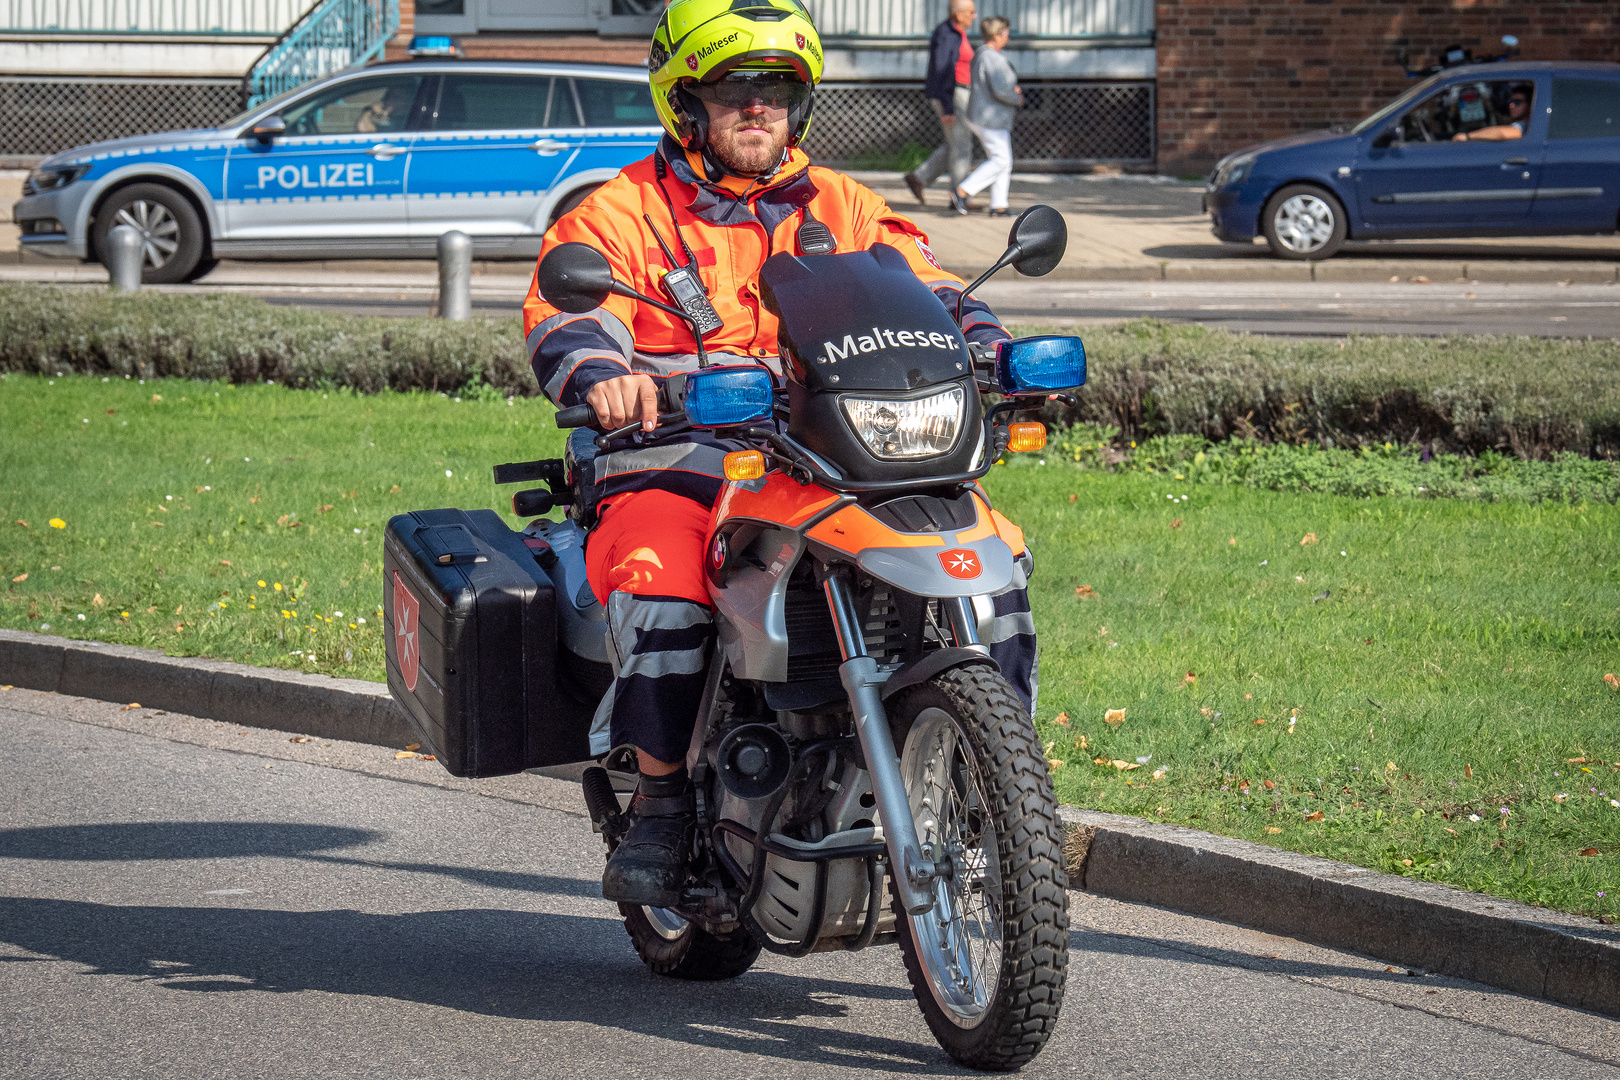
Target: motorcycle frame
838, 533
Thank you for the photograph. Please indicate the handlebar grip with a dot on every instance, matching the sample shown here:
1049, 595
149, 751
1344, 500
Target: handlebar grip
576, 416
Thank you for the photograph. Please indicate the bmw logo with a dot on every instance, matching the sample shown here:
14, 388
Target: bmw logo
718, 551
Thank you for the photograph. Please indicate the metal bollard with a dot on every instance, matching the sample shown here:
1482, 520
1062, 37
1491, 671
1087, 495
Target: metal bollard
455, 275
124, 255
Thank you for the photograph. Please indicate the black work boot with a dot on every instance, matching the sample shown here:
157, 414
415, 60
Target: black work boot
649, 865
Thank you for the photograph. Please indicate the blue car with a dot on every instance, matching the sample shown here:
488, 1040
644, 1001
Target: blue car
373, 162
1502, 149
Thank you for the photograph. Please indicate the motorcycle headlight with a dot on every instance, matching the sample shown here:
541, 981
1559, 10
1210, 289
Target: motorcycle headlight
894, 430
50, 179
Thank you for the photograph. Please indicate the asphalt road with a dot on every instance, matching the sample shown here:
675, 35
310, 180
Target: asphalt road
182, 898
1303, 309
1322, 308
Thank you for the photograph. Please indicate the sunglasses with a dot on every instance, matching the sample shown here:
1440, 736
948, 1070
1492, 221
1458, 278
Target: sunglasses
774, 90
1518, 101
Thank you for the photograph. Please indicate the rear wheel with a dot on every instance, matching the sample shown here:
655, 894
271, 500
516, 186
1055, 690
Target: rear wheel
671, 946
170, 227
1302, 221
987, 963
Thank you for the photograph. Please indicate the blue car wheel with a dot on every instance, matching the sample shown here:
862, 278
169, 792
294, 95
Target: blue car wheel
1303, 221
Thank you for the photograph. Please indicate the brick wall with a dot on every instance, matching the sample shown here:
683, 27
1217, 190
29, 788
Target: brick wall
1233, 73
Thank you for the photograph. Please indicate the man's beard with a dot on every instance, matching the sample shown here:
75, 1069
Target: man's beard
748, 158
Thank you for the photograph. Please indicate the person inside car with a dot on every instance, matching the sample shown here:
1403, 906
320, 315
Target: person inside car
1518, 110
388, 113
728, 186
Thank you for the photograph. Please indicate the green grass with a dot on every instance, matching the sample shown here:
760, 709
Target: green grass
176, 508
1455, 636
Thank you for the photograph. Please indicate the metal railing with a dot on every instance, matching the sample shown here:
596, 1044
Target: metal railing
332, 35
212, 18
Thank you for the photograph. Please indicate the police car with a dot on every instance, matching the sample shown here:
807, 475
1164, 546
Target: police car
373, 162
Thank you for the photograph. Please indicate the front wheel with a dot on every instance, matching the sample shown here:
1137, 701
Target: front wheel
1302, 221
171, 230
987, 962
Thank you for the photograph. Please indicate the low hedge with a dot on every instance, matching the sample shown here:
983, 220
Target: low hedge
1529, 397
45, 330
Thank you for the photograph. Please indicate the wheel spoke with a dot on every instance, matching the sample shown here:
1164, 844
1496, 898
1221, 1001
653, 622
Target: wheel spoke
959, 941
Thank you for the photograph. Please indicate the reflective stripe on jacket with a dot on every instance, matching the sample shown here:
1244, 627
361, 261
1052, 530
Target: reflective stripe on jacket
730, 226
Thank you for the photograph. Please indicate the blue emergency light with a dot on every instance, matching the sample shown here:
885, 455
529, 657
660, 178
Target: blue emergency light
726, 396
1040, 365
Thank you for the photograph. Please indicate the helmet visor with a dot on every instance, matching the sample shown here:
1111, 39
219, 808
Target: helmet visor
775, 90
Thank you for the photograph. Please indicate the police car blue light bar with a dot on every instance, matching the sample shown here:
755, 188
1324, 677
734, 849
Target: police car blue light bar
1040, 365
432, 45
723, 396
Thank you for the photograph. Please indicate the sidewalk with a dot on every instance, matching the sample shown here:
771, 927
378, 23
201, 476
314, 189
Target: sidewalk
1150, 228
1121, 228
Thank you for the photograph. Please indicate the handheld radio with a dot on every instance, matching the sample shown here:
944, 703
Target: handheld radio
685, 287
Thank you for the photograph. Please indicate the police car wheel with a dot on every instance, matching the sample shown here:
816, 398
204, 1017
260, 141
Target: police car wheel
570, 201
1303, 221
170, 228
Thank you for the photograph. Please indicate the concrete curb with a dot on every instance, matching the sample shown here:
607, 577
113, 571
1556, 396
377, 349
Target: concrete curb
1563, 958
318, 705
1547, 954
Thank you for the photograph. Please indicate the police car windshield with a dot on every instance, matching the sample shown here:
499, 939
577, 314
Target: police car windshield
266, 108
1395, 106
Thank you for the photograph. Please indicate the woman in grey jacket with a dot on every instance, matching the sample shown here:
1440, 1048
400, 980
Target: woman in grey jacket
994, 102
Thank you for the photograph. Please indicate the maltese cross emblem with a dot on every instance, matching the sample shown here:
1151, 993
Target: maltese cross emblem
799, 38
960, 563
691, 61
407, 646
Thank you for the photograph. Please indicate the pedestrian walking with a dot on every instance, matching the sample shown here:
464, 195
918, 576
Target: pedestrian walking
993, 102
950, 70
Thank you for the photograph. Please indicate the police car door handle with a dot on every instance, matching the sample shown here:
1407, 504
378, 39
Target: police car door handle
548, 147
1515, 161
384, 151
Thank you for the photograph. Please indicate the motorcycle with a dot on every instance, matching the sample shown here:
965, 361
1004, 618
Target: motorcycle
863, 773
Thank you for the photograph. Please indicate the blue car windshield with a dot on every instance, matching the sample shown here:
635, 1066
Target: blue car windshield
1395, 106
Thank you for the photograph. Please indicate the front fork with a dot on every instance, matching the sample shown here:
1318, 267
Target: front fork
913, 872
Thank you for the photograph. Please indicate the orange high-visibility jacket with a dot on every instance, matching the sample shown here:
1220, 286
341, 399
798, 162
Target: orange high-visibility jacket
729, 227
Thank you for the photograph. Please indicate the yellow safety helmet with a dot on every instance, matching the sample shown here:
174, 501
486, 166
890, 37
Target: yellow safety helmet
705, 40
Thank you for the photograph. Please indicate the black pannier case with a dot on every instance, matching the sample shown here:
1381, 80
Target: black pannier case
470, 620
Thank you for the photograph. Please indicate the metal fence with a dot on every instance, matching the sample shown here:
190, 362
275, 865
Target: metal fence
211, 17
1050, 18
1062, 126
40, 117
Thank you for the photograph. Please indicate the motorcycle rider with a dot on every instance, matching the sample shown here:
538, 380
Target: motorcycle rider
732, 82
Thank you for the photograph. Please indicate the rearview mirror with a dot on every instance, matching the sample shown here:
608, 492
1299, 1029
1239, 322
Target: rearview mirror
575, 278
1042, 236
269, 128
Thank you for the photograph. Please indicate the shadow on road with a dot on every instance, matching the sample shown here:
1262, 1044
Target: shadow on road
177, 840
124, 841
519, 965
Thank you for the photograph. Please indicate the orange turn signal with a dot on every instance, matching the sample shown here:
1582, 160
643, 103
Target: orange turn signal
1030, 436
750, 464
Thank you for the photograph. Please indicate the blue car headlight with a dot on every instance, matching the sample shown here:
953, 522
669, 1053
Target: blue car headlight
1040, 365
724, 396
